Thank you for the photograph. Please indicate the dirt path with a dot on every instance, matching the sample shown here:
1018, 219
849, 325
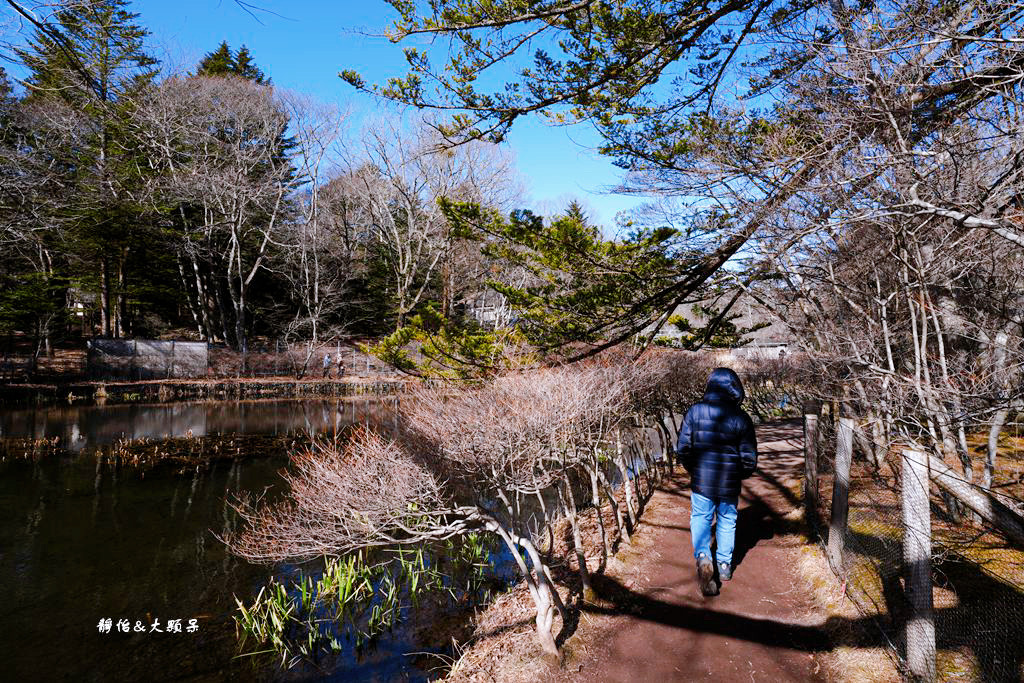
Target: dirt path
762, 627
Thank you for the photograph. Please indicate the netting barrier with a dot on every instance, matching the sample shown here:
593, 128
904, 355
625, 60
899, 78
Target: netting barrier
146, 359
976, 570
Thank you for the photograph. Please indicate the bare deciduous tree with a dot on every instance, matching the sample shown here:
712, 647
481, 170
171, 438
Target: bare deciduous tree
222, 149
396, 180
317, 259
509, 457
900, 265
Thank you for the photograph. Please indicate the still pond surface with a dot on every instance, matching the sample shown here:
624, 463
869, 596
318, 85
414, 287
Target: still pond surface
83, 539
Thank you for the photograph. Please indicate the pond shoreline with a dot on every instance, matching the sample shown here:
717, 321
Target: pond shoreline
163, 391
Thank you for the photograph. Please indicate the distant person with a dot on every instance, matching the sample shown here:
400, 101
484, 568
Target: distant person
717, 446
327, 364
341, 365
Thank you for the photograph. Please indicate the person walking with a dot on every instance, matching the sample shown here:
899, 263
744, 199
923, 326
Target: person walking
327, 364
340, 364
718, 447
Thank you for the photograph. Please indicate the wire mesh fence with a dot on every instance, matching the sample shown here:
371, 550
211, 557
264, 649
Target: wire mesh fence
977, 574
297, 360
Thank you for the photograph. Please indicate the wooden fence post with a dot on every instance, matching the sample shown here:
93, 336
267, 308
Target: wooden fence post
840, 494
917, 563
811, 468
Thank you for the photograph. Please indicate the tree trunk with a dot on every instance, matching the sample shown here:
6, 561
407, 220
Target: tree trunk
985, 504
621, 523
537, 581
998, 420
190, 300
121, 305
104, 297
550, 528
668, 446
811, 469
569, 506
627, 484
595, 495
204, 302
865, 445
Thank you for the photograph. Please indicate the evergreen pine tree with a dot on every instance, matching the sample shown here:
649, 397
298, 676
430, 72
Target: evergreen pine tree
225, 62
220, 62
92, 51
86, 66
9, 171
574, 212
246, 68
7, 102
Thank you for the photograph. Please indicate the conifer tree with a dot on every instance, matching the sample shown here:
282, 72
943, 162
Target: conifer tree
225, 62
7, 102
217, 63
97, 49
85, 67
246, 68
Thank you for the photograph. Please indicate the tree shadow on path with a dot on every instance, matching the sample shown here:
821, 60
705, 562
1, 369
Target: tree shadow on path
768, 632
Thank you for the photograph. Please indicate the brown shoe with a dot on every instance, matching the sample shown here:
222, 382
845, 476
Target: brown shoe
706, 576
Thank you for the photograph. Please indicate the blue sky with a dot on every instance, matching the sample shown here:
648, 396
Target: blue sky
303, 45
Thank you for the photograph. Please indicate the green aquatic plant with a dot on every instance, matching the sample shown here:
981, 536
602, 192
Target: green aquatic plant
358, 598
267, 620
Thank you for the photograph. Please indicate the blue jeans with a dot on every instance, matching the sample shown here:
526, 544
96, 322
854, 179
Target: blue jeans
702, 511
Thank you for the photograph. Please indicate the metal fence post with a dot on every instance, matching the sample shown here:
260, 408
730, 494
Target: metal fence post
840, 495
917, 563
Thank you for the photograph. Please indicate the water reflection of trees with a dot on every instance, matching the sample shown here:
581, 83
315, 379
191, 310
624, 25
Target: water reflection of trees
86, 427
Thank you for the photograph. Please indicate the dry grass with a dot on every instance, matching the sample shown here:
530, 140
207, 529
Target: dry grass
503, 648
978, 579
851, 659
854, 656
184, 453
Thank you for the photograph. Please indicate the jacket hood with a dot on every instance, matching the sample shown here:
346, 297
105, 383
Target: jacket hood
724, 384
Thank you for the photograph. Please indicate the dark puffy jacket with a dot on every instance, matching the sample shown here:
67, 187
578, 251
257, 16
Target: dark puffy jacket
717, 445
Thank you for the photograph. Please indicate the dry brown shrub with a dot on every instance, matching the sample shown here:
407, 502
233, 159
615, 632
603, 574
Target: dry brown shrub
369, 493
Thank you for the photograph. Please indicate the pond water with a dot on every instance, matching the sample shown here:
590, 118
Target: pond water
84, 540
84, 427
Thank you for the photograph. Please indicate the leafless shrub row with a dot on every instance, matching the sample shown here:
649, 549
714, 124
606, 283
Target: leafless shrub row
510, 457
